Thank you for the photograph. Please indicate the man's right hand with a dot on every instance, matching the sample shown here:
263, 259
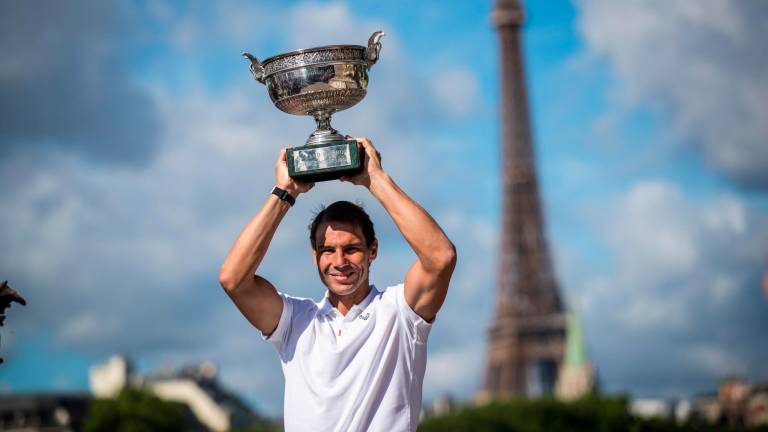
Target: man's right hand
284, 181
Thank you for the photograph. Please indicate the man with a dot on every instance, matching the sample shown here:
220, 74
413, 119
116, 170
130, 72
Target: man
355, 360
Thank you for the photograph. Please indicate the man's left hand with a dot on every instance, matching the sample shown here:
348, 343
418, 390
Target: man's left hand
371, 166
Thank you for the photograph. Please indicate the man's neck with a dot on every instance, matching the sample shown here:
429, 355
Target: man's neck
344, 303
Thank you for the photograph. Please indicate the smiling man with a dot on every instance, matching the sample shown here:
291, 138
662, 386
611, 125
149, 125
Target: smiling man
355, 360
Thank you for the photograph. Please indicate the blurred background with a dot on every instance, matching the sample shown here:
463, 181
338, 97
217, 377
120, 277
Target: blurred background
134, 145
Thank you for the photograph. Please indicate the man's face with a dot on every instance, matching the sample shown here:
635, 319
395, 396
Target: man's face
342, 257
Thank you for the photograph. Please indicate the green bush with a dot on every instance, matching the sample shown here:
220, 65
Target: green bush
134, 411
262, 428
591, 414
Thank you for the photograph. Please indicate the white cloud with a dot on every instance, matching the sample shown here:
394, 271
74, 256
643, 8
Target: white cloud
727, 214
683, 281
649, 311
723, 287
701, 65
332, 24
662, 243
452, 370
83, 69
88, 327
457, 89
195, 27
652, 230
716, 360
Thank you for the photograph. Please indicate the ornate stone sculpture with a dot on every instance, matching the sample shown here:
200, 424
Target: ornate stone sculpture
7, 296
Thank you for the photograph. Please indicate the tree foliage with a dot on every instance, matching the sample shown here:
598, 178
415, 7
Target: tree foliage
262, 428
591, 414
134, 411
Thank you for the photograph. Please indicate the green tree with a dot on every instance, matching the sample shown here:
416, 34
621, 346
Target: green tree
261, 428
590, 414
134, 411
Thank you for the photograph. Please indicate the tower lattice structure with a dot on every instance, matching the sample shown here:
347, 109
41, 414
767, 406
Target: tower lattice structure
526, 340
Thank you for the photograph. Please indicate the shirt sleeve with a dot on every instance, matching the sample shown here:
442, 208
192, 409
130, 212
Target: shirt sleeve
418, 327
283, 330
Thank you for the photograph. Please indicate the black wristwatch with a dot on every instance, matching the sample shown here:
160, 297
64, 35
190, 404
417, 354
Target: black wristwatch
284, 195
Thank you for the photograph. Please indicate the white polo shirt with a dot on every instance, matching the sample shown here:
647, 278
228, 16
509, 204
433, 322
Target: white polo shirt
359, 372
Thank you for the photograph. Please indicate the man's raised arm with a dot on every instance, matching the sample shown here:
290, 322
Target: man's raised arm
256, 298
426, 283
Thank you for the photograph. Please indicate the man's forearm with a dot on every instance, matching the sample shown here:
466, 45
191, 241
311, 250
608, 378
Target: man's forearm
423, 234
252, 243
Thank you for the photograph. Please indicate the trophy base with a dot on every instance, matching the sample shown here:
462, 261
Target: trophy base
326, 161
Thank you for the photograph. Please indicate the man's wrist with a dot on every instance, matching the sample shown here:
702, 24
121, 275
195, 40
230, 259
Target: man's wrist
377, 179
290, 187
285, 194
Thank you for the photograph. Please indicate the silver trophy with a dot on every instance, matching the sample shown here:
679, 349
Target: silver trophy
319, 82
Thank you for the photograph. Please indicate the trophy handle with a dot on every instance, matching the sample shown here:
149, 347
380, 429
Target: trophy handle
256, 68
374, 47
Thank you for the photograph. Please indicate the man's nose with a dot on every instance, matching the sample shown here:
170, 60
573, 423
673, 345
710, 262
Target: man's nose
338, 258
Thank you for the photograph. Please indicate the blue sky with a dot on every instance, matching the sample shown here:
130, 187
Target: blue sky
134, 149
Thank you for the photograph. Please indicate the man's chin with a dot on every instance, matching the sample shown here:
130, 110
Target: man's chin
341, 289
339, 285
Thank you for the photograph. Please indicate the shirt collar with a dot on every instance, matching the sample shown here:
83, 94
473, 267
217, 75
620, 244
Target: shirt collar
325, 307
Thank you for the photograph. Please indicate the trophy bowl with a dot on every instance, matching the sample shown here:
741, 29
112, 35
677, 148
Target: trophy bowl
319, 82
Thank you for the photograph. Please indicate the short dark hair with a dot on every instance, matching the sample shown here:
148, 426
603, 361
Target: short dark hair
346, 212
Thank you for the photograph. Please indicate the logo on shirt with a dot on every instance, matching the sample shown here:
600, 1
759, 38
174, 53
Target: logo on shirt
364, 317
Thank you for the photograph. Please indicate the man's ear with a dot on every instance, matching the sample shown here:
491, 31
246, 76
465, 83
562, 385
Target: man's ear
374, 250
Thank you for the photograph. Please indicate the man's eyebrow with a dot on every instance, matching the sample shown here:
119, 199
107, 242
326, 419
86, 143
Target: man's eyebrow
358, 244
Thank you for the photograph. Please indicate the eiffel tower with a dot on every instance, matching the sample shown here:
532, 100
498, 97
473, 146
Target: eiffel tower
526, 340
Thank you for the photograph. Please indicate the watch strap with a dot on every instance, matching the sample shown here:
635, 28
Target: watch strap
284, 195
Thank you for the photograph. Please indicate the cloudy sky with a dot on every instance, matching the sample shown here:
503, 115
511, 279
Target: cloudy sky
134, 145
